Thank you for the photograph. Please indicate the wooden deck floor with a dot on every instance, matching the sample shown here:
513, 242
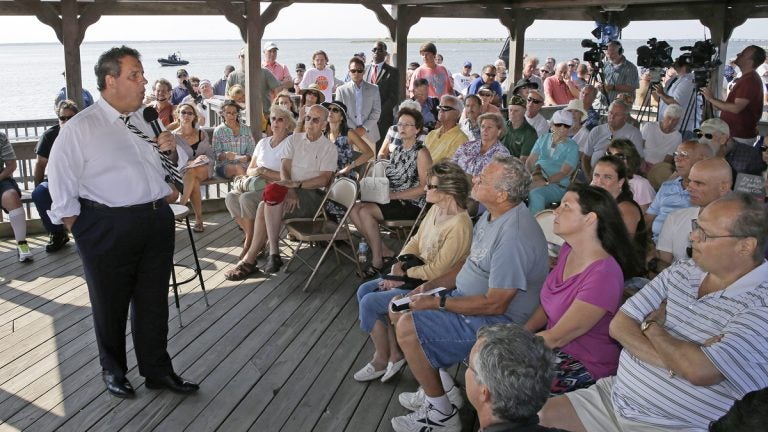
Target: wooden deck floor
268, 356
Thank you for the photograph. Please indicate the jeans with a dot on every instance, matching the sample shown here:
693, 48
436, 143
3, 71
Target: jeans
374, 304
539, 198
42, 199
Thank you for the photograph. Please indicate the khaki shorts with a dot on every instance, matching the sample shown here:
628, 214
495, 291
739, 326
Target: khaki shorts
595, 410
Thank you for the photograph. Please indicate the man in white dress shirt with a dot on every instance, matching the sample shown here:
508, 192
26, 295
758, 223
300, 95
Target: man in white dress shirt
109, 189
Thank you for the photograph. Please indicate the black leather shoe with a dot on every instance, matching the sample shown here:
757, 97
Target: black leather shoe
117, 386
173, 383
56, 241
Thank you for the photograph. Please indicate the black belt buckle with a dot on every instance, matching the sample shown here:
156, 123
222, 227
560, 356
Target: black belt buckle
155, 204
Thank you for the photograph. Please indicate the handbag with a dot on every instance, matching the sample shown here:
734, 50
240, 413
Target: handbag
375, 188
243, 183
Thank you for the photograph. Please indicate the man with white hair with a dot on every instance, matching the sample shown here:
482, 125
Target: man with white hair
660, 139
616, 127
532, 115
743, 158
679, 90
559, 89
530, 63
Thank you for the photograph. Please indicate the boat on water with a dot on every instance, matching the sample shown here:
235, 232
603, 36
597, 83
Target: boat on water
173, 59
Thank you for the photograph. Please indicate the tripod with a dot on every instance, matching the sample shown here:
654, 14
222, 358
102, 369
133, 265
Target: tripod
645, 107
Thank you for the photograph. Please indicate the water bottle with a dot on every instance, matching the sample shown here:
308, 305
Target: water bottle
362, 252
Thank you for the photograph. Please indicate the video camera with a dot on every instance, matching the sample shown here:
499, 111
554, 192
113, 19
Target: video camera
195, 95
655, 54
702, 58
604, 33
595, 53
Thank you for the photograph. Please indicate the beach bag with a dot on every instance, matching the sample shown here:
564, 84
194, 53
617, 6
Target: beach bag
375, 188
244, 183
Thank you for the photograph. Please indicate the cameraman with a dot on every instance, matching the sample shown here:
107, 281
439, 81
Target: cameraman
680, 90
744, 105
620, 74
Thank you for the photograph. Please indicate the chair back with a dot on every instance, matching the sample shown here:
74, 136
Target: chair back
343, 192
546, 220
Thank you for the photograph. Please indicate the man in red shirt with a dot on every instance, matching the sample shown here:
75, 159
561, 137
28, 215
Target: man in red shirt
744, 105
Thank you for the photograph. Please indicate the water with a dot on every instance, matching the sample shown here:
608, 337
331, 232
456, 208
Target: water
32, 73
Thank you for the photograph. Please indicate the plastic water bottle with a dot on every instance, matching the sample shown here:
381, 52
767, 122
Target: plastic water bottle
362, 251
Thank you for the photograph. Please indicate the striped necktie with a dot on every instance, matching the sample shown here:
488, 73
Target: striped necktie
173, 174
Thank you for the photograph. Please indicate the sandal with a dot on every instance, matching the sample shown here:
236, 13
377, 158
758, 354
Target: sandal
371, 272
241, 271
199, 227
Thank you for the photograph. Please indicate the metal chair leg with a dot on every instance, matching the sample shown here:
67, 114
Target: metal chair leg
197, 262
176, 293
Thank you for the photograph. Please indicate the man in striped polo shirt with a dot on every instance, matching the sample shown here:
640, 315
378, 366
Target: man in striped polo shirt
695, 338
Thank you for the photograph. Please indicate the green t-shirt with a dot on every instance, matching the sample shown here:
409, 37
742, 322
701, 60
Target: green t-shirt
520, 141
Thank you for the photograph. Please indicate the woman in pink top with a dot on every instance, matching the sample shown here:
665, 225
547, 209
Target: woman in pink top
584, 290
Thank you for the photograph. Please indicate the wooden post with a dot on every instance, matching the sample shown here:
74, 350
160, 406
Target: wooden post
253, 79
405, 17
516, 23
71, 41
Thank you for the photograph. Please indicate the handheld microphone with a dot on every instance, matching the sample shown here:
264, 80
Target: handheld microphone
150, 116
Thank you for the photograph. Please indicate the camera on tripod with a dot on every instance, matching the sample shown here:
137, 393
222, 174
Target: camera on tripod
702, 59
655, 54
195, 95
595, 53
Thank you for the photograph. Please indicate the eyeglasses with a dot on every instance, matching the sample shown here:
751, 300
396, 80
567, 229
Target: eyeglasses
561, 125
276, 119
431, 186
182, 76
536, 101
356, 71
310, 119
703, 236
465, 362
232, 113
403, 125
616, 155
187, 112
705, 135
681, 154
445, 108
334, 110
65, 118
572, 65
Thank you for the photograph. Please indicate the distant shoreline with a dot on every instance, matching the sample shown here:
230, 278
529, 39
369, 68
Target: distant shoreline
356, 40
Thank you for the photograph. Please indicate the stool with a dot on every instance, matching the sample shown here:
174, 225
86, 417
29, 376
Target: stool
182, 212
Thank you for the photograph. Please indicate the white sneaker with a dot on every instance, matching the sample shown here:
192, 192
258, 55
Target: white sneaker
25, 254
368, 373
428, 419
414, 401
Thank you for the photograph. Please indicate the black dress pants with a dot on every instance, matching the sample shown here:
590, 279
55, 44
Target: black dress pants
127, 256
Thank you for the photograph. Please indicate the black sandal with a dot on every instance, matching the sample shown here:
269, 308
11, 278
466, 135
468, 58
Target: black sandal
371, 272
241, 271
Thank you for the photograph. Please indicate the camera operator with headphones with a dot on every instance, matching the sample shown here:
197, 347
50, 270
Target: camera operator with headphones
680, 90
744, 105
620, 74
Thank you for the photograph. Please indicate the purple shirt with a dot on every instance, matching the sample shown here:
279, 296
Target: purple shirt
601, 284
470, 159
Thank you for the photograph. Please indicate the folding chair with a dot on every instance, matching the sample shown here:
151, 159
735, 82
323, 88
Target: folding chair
398, 227
546, 220
320, 228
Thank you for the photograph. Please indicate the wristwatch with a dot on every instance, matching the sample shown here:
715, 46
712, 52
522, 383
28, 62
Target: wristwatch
442, 302
646, 324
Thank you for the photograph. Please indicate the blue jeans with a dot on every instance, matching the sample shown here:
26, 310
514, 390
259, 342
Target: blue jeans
42, 199
374, 304
539, 198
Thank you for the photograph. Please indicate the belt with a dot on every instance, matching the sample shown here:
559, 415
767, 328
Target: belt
150, 206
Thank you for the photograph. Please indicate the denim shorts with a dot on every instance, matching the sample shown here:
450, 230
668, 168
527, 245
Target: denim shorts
447, 337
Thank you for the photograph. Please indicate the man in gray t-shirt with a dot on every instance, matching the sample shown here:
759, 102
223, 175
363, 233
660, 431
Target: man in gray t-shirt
498, 283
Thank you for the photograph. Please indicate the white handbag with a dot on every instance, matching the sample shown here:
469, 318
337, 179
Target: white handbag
375, 188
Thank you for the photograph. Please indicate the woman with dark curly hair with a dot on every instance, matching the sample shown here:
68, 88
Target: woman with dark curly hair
409, 162
584, 290
642, 190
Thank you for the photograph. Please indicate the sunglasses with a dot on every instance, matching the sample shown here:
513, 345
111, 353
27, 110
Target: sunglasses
561, 125
377, 50
485, 94
65, 118
276, 119
616, 155
186, 113
705, 135
445, 108
492, 75
356, 71
334, 110
536, 101
680, 154
310, 119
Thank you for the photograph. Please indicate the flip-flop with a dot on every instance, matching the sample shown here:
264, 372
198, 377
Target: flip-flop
199, 227
371, 272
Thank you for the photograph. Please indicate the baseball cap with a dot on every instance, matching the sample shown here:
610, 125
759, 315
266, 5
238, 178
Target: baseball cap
181, 72
468, 64
518, 100
301, 66
562, 117
274, 194
269, 46
714, 125
523, 83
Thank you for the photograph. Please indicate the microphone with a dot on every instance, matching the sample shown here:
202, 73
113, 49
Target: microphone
150, 116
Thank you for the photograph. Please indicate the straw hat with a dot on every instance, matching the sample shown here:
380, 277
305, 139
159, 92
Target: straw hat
314, 88
577, 105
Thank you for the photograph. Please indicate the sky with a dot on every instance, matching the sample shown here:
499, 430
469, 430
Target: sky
300, 21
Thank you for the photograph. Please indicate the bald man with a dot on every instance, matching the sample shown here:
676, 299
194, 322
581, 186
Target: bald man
673, 194
708, 180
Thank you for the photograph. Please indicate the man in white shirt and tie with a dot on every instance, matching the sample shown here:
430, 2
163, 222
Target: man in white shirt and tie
108, 188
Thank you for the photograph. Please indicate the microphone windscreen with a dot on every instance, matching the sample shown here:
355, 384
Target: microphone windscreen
150, 114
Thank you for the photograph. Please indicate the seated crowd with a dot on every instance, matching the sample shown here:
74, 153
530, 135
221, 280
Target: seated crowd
653, 316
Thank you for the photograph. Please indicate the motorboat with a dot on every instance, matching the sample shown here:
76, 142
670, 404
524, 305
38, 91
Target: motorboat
173, 59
